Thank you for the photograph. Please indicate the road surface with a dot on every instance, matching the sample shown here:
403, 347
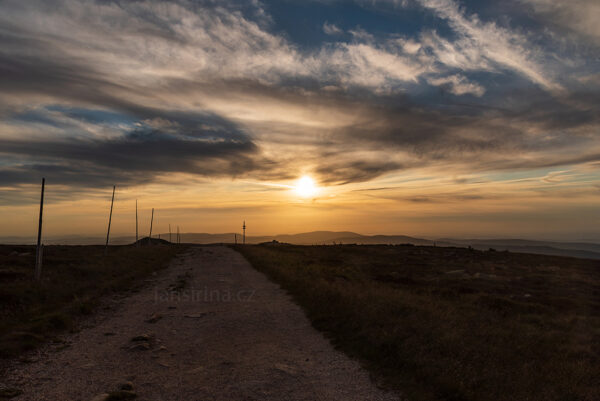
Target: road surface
209, 327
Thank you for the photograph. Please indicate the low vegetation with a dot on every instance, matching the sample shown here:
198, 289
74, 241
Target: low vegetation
73, 279
452, 323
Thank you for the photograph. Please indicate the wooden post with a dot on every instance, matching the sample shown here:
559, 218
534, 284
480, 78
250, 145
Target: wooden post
38, 254
41, 252
151, 221
244, 228
137, 242
110, 219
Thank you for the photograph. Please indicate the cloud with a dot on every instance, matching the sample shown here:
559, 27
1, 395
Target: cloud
202, 145
482, 43
94, 91
374, 67
458, 85
340, 171
331, 29
579, 16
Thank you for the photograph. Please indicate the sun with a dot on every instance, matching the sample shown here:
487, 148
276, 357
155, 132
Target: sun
305, 187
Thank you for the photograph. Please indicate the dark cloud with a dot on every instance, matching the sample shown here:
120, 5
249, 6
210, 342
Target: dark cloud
133, 158
344, 172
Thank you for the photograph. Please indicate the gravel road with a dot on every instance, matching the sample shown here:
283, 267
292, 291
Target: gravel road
209, 327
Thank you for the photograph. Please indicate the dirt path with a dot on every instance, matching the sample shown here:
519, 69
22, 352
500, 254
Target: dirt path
230, 334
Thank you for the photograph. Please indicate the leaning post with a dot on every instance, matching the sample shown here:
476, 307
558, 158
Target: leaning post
110, 219
38, 253
151, 221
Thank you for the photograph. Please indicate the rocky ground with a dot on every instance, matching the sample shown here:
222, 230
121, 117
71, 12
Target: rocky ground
208, 328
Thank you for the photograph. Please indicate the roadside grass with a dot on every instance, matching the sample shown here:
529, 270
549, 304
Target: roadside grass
73, 280
451, 323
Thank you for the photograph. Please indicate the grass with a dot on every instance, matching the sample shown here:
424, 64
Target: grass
73, 279
451, 323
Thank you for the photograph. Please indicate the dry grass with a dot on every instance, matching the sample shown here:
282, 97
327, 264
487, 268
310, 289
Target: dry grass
73, 279
452, 323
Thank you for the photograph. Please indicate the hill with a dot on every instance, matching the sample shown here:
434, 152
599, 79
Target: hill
585, 250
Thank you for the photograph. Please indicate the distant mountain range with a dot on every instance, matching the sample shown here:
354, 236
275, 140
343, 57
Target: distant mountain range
574, 249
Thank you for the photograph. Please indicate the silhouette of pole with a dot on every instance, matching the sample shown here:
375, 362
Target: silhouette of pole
38, 254
235, 238
178, 240
169, 232
151, 221
244, 228
110, 219
137, 241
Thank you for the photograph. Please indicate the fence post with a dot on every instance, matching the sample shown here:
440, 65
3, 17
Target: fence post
137, 242
38, 253
110, 219
151, 221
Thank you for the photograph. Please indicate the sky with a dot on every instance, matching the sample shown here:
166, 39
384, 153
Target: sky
430, 118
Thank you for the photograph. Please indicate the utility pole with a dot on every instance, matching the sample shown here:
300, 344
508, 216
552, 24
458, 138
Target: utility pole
39, 249
137, 241
110, 219
151, 221
235, 238
169, 232
244, 228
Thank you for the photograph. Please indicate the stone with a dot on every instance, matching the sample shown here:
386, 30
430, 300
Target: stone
154, 318
121, 395
142, 346
142, 337
195, 316
456, 271
127, 386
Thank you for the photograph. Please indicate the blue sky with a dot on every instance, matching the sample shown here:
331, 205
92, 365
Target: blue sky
496, 103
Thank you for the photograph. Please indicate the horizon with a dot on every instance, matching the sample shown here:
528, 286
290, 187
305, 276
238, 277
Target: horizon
164, 235
428, 118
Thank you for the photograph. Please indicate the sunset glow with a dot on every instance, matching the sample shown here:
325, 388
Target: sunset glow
305, 187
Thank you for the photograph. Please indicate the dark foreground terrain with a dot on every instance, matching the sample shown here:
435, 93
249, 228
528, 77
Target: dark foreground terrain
452, 323
73, 279
210, 327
